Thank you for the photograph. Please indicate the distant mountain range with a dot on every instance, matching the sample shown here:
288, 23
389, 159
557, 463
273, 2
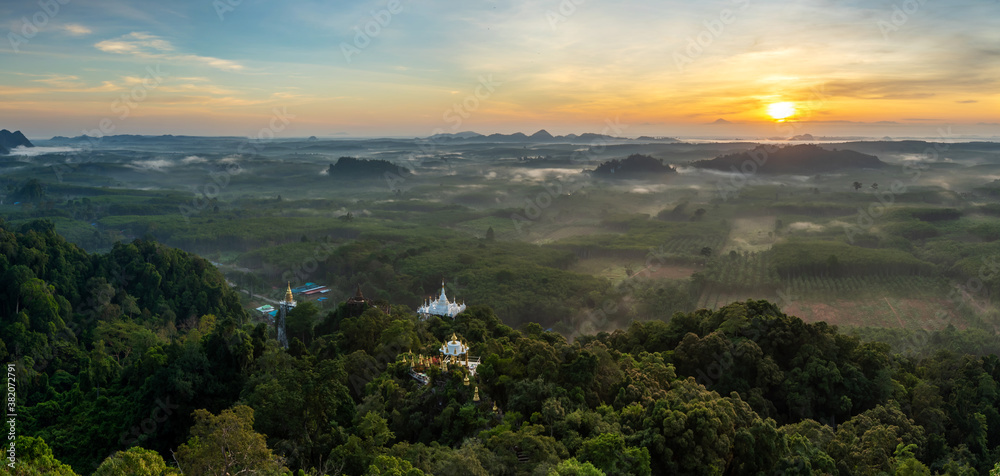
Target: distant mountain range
540, 136
10, 140
804, 159
132, 138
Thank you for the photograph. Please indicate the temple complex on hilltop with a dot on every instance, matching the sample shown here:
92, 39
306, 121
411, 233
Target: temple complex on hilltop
440, 306
456, 352
453, 353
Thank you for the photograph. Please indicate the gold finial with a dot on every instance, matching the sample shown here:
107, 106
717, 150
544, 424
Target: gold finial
465, 381
475, 396
454, 337
495, 406
288, 293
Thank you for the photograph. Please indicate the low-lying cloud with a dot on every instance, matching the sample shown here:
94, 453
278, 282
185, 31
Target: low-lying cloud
36, 151
154, 164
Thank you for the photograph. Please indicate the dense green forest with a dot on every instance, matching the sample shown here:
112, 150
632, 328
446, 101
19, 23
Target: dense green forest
794, 159
142, 361
635, 165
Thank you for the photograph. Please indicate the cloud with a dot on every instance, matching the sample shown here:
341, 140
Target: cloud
879, 89
154, 164
76, 29
67, 83
967, 101
36, 151
145, 45
135, 43
60, 80
806, 226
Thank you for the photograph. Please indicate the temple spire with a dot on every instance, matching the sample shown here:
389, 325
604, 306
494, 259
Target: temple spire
440, 306
288, 293
283, 307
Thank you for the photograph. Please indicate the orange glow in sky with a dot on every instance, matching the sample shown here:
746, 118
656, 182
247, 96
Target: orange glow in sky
718, 68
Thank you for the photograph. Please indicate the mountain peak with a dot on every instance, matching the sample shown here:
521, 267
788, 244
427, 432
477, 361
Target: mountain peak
542, 134
10, 140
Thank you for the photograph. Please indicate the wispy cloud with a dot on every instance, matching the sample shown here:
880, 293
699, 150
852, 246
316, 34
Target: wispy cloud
66, 83
76, 29
60, 80
148, 46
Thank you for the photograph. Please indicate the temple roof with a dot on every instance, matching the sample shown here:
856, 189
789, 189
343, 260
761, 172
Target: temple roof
454, 347
358, 297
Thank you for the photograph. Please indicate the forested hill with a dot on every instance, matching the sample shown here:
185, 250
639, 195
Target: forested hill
354, 168
742, 390
633, 166
44, 275
88, 335
802, 159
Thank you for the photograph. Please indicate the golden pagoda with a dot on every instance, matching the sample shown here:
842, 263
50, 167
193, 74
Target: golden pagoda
475, 396
283, 307
465, 381
288, 293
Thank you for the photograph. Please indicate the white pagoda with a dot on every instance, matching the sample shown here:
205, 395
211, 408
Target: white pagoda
440, 306
453, 353
456, 352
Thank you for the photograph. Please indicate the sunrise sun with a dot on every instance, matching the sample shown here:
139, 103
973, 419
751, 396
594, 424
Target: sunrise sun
781, 110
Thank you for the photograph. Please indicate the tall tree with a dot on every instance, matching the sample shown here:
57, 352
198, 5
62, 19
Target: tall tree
135, 461
227, 444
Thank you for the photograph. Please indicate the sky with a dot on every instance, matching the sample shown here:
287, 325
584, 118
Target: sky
408, 68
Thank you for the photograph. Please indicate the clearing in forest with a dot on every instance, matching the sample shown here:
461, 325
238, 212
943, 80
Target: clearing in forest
887, 312
751, 234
